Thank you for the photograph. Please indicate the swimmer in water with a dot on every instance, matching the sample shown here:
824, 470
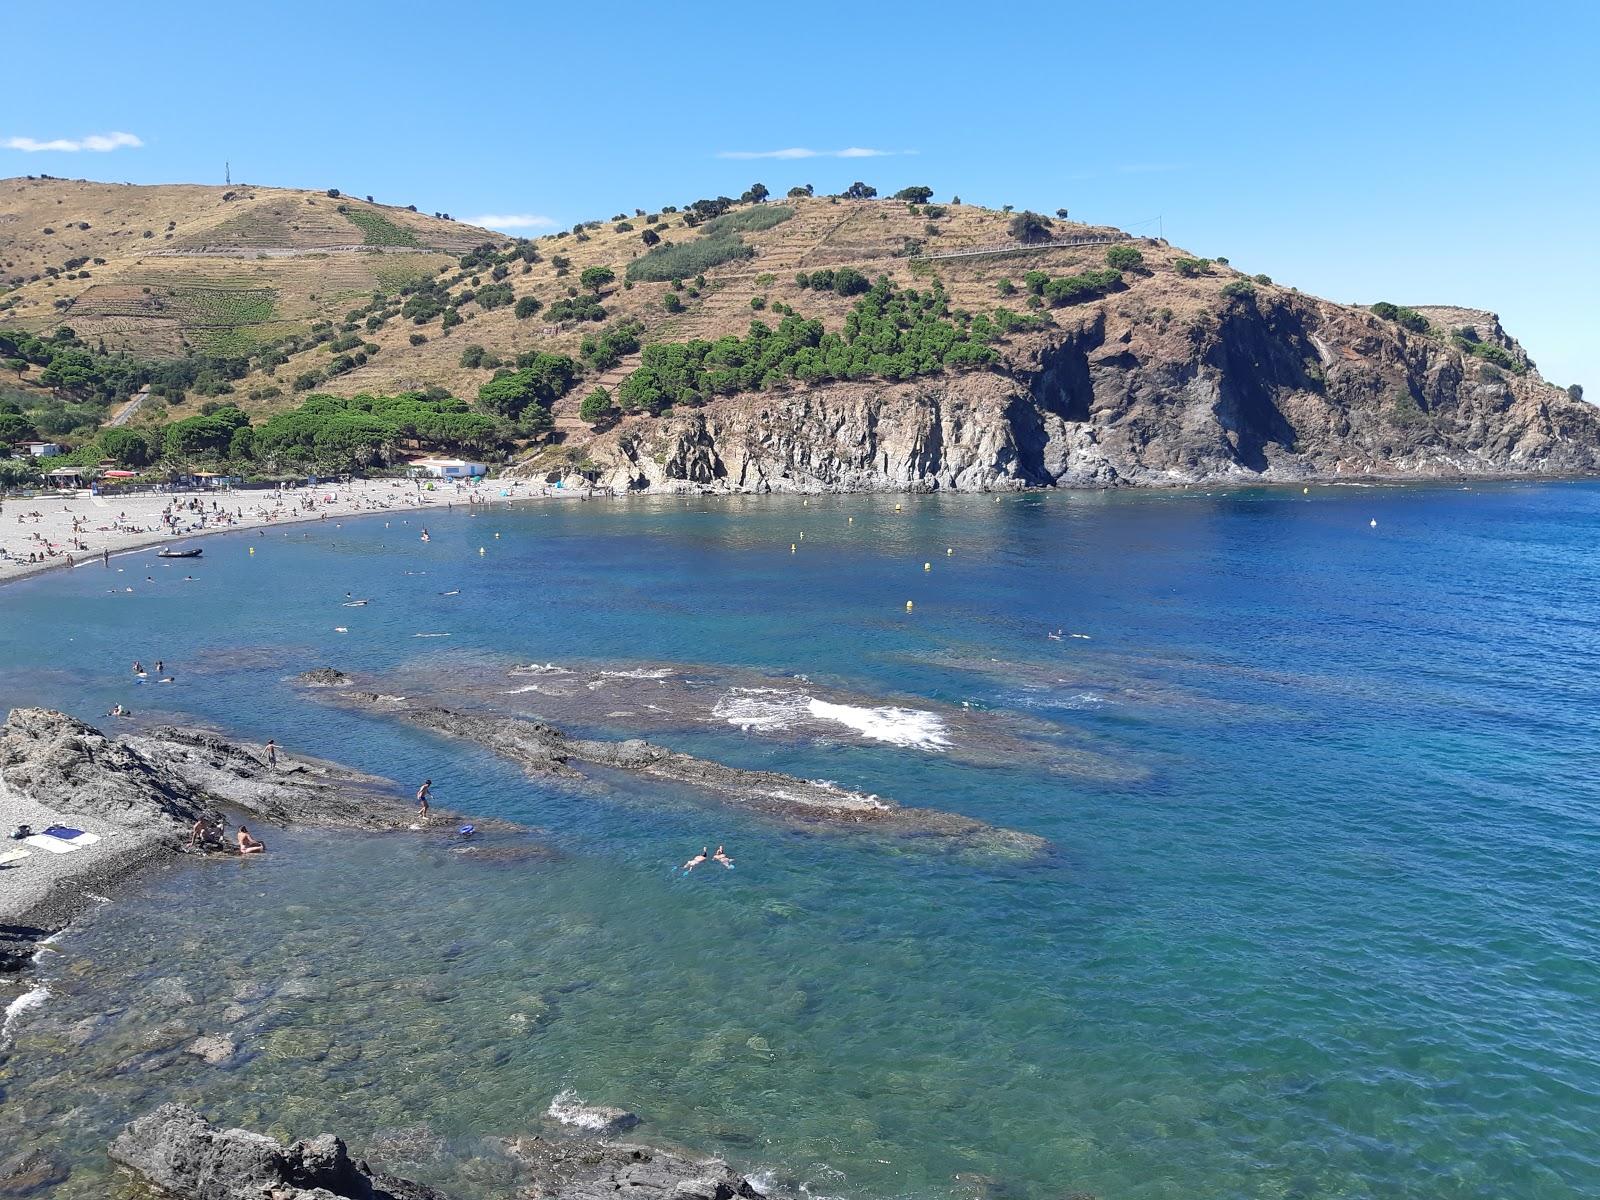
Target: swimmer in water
721, 856
248, 844
697, 859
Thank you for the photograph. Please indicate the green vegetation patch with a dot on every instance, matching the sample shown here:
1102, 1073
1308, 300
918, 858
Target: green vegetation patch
683, 259
889, 334
747, 220
378, 230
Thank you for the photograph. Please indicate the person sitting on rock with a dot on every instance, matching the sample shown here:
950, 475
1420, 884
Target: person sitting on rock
248, 844
203, 835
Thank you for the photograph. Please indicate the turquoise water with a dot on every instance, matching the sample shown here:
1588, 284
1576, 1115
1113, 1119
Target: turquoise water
1319, 921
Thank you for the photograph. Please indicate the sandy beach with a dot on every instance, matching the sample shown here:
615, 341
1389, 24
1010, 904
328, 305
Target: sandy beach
42, 533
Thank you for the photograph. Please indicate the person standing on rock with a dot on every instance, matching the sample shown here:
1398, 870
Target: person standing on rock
272, 753
422, 799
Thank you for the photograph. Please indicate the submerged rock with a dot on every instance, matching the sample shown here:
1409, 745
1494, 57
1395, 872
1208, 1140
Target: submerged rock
323, 677
214, 1050
182, 1154
601, 1119
541, 748
31, 1171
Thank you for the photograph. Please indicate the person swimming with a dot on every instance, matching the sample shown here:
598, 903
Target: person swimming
721, 856
248, 844
705, 853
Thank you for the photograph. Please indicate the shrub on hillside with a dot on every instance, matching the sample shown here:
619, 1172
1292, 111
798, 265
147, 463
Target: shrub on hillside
1190, 268
1124, 258
1239, 289
526, 307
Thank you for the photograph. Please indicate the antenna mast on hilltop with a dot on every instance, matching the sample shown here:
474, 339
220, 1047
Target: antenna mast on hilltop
227, 173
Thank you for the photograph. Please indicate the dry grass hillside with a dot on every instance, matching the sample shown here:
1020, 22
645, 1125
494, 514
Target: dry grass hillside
168, 269
877, 237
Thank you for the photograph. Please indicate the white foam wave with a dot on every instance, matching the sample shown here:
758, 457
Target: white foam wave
537, 669
21, 1005
770, 710
639, 673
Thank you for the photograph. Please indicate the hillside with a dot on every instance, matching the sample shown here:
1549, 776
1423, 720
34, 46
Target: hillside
1089, 357
158, 270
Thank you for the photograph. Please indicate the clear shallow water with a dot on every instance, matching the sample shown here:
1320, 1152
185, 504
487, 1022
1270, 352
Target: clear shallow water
1320, 922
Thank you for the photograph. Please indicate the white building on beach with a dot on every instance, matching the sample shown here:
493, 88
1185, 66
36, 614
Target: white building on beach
448, 468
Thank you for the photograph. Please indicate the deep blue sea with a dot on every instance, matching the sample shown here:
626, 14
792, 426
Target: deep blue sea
1320, 918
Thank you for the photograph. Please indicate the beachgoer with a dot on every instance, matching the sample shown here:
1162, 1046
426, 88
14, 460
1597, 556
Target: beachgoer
203, 835
422, 797
159, 666
721, 856
272, 753
248, 844
705, 853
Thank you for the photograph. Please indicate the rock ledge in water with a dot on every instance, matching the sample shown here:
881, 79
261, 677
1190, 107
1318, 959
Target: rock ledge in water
586, 1169
323, 677
182, 1154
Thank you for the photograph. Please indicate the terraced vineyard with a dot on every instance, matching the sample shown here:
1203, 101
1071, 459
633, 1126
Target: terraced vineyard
378, 230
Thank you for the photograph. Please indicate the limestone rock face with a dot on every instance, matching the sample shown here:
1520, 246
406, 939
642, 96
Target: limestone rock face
1272, 387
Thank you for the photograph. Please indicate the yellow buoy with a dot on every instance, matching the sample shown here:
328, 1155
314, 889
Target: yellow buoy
897, 508
480, 551
949, 550
908, 606
1305, 491
852, 520
791, 547
252, 549
927, 566
497, 535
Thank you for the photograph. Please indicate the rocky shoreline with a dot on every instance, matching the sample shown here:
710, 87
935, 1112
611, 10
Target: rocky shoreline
139, 796
181, 1154
542, 749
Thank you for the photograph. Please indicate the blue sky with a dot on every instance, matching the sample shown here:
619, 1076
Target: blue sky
1417, 152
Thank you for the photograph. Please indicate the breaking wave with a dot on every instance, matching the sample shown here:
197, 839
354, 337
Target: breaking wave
771, 710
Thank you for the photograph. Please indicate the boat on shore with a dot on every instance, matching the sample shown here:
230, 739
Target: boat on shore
170, 552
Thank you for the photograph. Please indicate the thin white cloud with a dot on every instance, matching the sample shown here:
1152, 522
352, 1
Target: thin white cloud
95, 141
803, 152
513, 221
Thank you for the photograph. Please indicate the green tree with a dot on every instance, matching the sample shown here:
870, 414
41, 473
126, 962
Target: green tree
596, 406
127, 447
526, 307
19, 365
756, 194
595, 278
1575, 392
650, 237
915, 195
860, 191
472, 356
15, 428
1029, 228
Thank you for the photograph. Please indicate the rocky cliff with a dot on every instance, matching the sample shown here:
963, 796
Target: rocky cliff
1269, 387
